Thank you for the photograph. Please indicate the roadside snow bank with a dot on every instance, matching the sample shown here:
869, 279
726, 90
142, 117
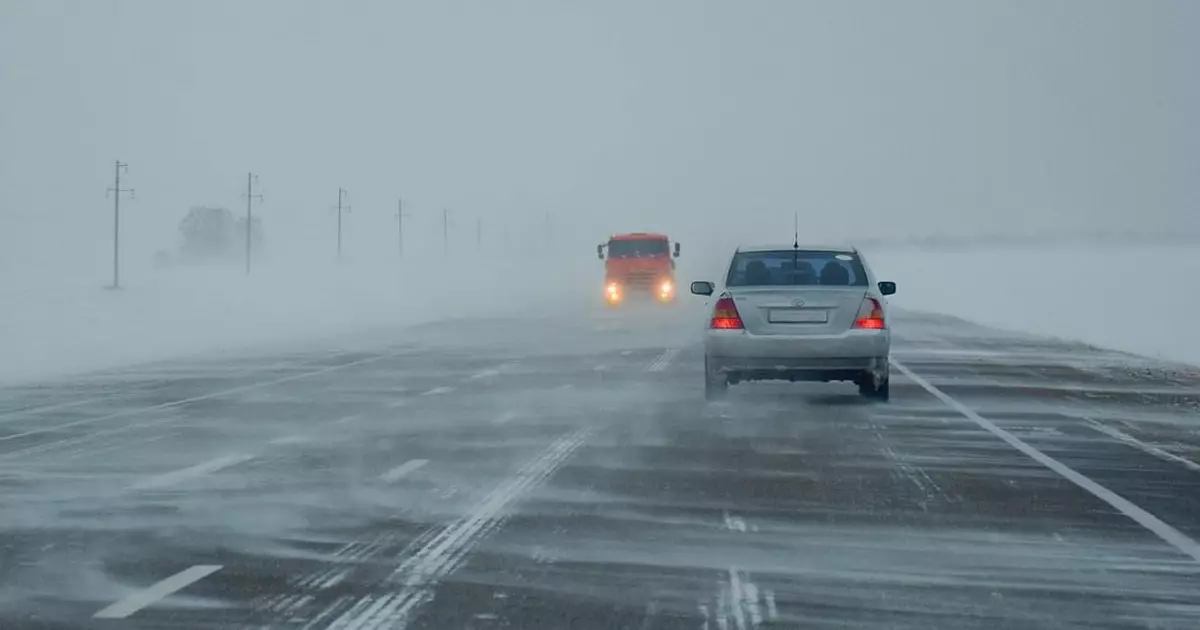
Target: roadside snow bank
1140, 299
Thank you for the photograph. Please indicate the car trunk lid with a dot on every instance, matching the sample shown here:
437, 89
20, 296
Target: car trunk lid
798, 310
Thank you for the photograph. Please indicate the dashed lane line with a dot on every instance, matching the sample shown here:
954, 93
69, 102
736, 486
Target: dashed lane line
191, 472
400, 471
505, 417
490, 372
438, 390
1167, 533
156, 592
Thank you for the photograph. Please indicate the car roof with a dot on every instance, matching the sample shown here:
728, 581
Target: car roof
826, 247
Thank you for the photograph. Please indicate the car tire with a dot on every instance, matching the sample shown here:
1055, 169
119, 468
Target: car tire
716, 384
871, 386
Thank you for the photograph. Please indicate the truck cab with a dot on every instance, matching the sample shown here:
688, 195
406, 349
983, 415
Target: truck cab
638, 265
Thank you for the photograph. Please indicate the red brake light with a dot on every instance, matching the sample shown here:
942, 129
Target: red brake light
870, 315
725, 315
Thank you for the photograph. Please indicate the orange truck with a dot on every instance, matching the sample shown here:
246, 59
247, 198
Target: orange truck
638, 265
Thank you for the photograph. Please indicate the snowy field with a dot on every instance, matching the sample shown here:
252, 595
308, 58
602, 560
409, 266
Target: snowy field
1132, 299
1136, 299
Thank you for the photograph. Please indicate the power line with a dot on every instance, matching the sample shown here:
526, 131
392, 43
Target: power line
116, 191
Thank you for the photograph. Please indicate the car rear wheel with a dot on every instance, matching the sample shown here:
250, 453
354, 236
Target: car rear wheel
716, 384
875, 386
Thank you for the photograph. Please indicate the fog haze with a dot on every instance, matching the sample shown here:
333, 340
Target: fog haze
689, 117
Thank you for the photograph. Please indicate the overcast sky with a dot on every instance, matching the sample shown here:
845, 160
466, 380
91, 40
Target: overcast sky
678, 115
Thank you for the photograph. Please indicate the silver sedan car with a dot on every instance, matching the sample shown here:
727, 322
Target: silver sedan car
798, 314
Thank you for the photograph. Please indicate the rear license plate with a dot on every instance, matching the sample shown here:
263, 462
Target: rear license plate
798, 316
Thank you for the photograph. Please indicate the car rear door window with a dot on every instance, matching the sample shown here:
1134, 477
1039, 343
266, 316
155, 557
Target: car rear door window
796, 268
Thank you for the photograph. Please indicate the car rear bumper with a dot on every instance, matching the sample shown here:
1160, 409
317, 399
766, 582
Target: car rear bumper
745, 357
851, 345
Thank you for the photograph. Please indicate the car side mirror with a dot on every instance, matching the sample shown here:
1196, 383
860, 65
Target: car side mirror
677, 250
887, 288
702, 288
600, 252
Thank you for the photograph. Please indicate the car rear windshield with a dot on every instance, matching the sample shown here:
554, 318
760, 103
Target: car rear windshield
637, 249
796, 268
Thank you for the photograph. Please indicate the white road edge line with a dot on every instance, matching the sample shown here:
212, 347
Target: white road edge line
155, 592
438, 390
403, 469
1140, 445
191, 472
1168, 534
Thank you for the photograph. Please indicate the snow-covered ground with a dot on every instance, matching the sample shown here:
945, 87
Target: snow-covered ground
1141, 299
50, 328
1130, 298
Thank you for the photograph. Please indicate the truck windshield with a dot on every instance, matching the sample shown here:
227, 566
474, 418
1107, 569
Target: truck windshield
638, 249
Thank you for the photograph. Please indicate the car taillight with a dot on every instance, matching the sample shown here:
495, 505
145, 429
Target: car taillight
725, 315
870, 315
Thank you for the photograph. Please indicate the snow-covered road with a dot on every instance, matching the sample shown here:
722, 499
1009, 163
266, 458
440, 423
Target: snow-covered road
566, 472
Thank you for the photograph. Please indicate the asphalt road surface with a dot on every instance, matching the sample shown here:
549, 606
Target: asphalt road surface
565, 473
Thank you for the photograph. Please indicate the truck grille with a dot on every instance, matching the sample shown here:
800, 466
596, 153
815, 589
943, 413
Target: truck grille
641, 279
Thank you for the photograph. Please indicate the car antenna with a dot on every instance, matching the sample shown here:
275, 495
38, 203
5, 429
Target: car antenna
795, 244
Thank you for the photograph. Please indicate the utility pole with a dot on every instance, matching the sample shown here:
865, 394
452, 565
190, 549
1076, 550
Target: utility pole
400, 214
250, 197
340, 207
116, 191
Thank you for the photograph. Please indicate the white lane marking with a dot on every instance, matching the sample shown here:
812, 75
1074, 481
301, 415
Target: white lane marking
496, 371
738, 596
191, 472
626, 353
398, 403
347, 419
292, 439
33, 411
438, 390
1170, 535
1138, 444
419, 575
505, 417
564, 387
185, 401
403, 469
155, 592
659, 364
